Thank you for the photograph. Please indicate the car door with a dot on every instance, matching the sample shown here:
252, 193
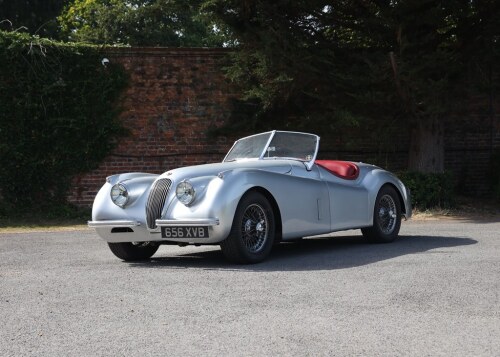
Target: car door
349, 204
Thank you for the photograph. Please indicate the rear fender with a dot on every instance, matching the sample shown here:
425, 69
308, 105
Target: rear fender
375, 179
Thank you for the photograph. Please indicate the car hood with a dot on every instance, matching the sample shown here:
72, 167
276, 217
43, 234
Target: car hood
277, 166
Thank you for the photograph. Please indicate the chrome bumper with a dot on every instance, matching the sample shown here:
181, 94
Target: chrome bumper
159, 222
187, 222
141, 233
112, 224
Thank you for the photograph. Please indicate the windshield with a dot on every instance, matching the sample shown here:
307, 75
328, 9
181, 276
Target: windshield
283, 144
298, 146
250, 147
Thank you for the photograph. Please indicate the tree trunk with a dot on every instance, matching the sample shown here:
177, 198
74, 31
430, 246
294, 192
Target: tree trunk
427, 146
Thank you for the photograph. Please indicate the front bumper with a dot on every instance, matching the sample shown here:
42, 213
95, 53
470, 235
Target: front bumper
113, 224
119, 231
210, 222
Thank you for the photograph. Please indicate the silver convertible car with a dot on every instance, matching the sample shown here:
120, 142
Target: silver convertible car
269, 188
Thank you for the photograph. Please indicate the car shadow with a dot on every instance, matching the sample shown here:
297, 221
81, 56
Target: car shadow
319, 253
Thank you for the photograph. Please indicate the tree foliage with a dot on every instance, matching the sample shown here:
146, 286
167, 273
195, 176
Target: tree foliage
173, 23
283, 60
36, 16
58, 117
323, 64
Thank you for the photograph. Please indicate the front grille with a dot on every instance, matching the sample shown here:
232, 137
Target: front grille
156, 201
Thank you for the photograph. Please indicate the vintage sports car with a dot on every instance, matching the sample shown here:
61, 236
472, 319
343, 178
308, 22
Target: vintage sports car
269, 188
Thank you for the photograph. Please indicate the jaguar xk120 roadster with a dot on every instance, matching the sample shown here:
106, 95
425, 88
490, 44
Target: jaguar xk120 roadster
269, 188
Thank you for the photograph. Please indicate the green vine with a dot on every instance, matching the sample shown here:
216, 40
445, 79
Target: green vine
58, 116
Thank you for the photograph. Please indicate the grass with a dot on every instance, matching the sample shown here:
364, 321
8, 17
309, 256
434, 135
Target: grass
62, 218
465, 208
21, 225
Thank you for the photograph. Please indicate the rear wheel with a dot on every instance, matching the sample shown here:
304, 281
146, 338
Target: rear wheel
253, 230
133, 251
386, 217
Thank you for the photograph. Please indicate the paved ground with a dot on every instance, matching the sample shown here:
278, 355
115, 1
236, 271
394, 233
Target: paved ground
433, 292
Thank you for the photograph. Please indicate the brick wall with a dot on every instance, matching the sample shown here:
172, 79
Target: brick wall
176, 95
469, 142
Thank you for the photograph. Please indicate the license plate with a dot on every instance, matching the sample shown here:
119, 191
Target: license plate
184, 232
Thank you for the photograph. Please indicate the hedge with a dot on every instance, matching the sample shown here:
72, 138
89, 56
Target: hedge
429, 190
58, 116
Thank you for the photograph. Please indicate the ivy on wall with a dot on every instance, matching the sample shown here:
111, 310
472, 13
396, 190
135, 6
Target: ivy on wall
58, 116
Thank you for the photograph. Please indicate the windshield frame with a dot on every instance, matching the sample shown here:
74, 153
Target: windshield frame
307, 163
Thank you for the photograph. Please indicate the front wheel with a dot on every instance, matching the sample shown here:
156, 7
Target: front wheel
133, 251
253, 230
386, 217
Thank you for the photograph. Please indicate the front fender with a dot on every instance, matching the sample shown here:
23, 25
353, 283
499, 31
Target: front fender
138, 187
216, 197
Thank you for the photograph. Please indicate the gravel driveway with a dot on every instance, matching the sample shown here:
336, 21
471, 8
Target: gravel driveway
435, 291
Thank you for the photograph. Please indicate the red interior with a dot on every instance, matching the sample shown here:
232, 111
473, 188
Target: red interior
343, 169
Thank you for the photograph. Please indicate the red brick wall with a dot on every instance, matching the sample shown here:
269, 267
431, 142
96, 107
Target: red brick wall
176, 95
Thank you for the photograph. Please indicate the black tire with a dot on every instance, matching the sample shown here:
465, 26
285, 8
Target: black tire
133, 251
253, 231
386, 217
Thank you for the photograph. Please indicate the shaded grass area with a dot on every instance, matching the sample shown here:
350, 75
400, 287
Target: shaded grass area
61, 217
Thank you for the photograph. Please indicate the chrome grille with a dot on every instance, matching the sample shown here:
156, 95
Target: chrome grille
156, 201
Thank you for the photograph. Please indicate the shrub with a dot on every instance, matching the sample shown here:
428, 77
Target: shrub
58, 117
429, 190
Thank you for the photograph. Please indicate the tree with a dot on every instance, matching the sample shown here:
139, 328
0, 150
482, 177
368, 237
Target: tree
427, 71
283, 60
37, 16
138, 23
322, 63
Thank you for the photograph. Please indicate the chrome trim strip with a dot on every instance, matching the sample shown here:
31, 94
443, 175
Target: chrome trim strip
112, 224
187, 222
273, 133
310, 164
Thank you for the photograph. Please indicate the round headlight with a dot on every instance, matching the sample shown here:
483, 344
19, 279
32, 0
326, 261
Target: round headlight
119, 195
185, 192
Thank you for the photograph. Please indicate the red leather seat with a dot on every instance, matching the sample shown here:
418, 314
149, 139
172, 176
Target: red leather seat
343, 169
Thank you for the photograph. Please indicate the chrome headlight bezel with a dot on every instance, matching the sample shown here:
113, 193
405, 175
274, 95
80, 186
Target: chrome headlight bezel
185, 192
119, 194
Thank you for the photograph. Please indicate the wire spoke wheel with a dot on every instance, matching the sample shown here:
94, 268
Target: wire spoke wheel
253, 231
387, 214
386, 217
254, 228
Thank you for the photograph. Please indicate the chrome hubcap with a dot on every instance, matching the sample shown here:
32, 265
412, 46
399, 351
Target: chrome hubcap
248, 226
387, 216
254, 228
